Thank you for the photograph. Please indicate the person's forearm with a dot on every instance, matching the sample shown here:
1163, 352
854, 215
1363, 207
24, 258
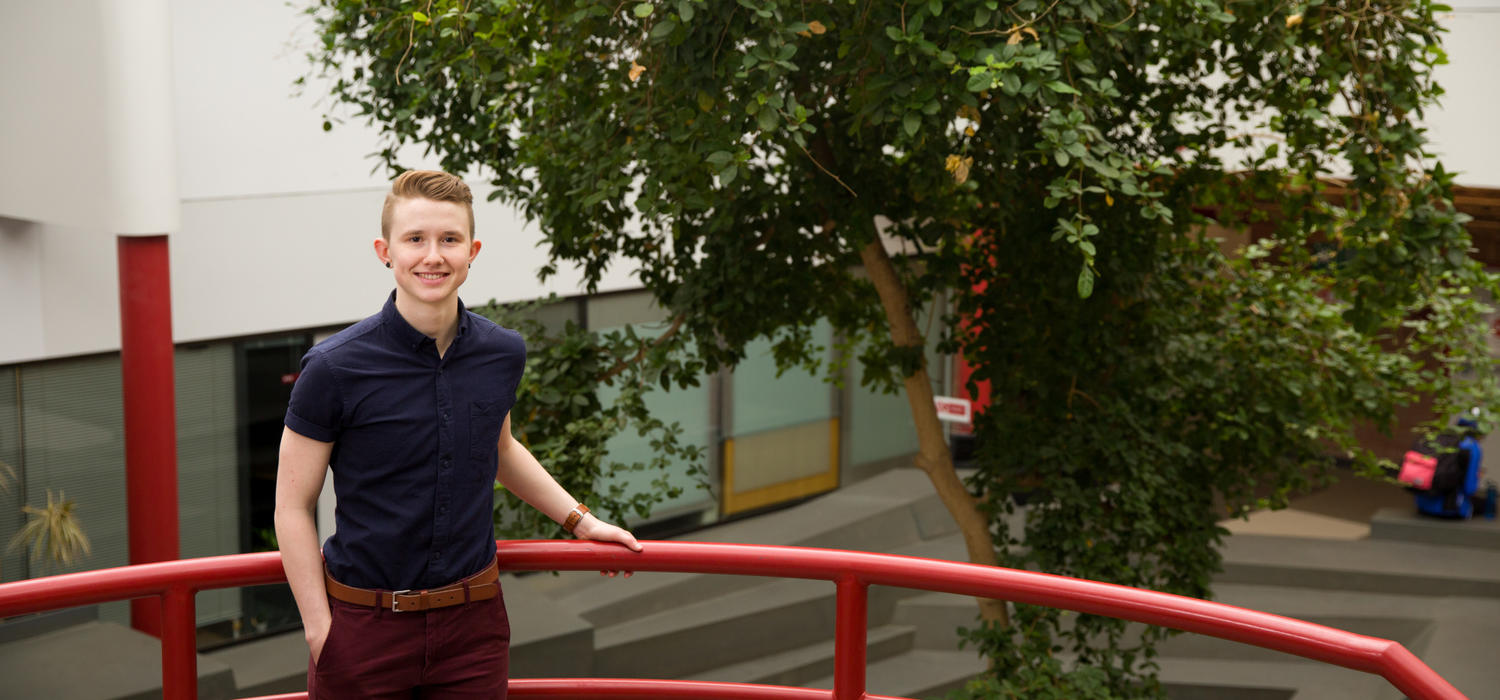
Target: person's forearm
524, 476
297, 535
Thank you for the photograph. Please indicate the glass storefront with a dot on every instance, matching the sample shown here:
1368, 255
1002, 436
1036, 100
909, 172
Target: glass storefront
62, 431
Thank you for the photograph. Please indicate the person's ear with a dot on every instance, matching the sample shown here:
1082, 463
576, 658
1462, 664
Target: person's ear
474, 247
383, 251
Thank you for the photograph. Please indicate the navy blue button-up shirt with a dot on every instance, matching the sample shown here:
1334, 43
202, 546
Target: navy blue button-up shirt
414, 445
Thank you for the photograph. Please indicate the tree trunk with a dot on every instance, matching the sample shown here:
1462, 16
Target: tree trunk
934, 457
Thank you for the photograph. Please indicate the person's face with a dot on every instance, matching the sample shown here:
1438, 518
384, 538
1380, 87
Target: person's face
430, 249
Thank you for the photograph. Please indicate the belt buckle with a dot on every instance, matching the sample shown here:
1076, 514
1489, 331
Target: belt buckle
394, 594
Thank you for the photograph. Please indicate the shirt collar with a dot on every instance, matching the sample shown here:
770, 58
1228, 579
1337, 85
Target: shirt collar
403, 332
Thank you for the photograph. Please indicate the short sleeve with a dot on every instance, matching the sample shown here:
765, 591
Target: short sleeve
317, 405
518, 360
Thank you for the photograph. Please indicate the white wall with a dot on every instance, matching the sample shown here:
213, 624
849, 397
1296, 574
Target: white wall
51, 100
59, 289
241, 131
261, 264
1463, 128
20, 287
86, 130
277, 215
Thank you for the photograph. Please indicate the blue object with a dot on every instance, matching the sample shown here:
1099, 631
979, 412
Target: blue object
1490, 493
1459, 504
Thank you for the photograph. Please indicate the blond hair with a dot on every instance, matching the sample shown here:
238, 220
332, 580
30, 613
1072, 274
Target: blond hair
426, 184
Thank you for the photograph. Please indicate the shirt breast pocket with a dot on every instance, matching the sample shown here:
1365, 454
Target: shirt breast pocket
485, 419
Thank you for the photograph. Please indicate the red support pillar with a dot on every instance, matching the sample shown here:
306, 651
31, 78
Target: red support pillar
150, 411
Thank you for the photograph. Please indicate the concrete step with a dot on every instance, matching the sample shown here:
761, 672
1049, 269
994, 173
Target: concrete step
1374, 566
893, 510
927, 673
98, 661
935, 618
794, 667
920, 673
266, 666
1220, 679
747, 624
1455, 636
1406, 525
1406, 619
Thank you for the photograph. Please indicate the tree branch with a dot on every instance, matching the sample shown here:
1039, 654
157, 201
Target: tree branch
622, 365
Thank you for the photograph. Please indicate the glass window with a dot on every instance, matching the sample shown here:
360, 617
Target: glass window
783, 441
208, 498
763, 401
74, 440
12, 477
881, 425
690, 408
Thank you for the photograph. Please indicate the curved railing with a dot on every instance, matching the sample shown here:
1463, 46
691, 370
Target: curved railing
851, 572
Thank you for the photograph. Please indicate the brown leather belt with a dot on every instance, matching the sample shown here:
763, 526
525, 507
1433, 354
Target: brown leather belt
481, 586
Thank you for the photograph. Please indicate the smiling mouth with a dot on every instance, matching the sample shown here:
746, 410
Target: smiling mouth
432, 275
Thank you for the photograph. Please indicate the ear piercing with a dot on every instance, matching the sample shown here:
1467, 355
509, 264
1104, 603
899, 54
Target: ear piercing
387, 264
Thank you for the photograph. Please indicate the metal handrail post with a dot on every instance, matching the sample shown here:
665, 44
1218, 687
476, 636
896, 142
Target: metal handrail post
850, 634
179, 645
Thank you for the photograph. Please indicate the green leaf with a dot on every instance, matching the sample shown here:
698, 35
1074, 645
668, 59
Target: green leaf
644, 10
420, 17
1061, 87
768, 119
728, 174
935, 7
719, 158
685, 10
911, 123
1085, 283
663, 29
894, 33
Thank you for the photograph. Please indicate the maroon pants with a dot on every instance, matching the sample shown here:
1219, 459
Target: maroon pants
461, 651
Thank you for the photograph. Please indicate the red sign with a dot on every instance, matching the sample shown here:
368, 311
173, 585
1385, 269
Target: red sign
953, 409
290, 378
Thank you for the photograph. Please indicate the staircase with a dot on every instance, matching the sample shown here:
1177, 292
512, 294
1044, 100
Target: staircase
1441, 601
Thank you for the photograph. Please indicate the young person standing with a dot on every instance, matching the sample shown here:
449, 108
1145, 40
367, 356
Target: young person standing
411, 409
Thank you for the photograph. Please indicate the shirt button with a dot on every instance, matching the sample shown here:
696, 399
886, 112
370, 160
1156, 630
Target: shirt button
445, 415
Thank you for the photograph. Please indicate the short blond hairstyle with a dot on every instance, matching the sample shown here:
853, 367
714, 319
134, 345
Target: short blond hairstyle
426, 184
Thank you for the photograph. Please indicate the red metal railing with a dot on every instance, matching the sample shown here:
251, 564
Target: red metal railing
852, 572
